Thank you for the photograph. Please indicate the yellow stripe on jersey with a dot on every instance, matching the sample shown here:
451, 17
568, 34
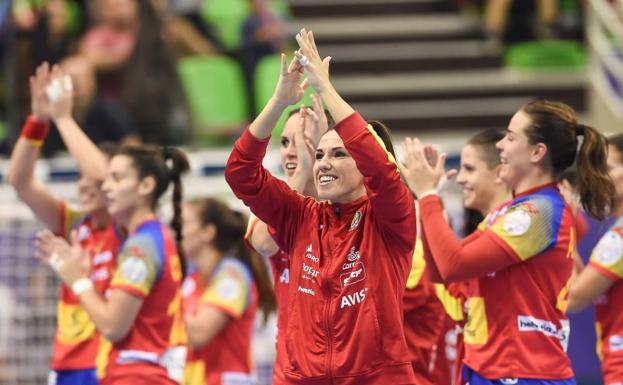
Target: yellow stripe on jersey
101, 361
526, 227
452, 305
194, 373
599, 345
71, 217
476, 331
229, 289
417, 265
74, 324
608, 254
376, 136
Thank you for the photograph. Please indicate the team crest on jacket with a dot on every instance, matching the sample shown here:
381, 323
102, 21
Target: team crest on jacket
356, 220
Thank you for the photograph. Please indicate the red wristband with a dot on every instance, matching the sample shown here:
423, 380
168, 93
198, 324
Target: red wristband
35, 131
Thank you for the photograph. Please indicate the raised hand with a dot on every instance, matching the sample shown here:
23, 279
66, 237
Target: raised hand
423, 168
59, 91
318, 124
39, 105
316, 69
290, 88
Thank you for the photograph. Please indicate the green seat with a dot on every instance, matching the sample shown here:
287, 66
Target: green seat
216, 93
548, 54
265, 79
226, 17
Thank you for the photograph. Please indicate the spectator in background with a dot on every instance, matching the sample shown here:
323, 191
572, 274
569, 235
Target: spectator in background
501, 24
263, 33
101, 119
152, 89
109, 43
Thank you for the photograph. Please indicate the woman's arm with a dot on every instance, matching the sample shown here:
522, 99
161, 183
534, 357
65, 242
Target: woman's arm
115, 315
258, 235
389, 196
589, 285
270, 199
91, 161
459, 260
205, 325
25, 154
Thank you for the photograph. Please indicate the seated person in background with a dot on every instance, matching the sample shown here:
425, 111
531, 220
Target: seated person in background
102, 120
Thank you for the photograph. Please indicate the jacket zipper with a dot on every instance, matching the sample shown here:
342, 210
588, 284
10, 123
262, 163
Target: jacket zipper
326, 288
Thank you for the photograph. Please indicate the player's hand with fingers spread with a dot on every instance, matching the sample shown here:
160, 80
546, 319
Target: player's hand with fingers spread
304, 149
316, 69
319, 124
290, 88
39, 105
60, 93
422, 177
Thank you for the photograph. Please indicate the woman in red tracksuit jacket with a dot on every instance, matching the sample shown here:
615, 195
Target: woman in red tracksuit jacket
350, 254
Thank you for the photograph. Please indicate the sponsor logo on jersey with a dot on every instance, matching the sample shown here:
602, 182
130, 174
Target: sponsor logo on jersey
616, 343
530, 324
228, 289
103, 257
357, 297
285, 276
306, 290
84, 232
100, 274
309, 272
358, 274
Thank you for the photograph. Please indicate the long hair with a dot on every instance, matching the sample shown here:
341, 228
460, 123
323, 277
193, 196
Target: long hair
555, 125
230, 231
153, 161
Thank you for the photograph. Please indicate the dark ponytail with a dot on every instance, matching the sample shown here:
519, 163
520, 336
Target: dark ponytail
154, 161
230, 231
179, 165
595, 187
555, 125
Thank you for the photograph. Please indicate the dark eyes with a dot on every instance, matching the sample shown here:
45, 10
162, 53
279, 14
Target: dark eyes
285, 142
340, 154
319, 155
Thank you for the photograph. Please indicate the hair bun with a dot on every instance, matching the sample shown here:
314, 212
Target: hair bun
580, 129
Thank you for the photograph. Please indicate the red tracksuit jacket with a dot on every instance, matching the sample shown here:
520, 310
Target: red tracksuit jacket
348, 264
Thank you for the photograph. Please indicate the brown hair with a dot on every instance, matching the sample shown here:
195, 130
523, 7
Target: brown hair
485, 141
384, 133
230, 231
616, 141
555, 125
152, 161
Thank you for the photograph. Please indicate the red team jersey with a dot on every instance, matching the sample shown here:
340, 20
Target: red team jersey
349, 264
280, 267
76, 341
516, 324
154, 350
607, 258
226, 359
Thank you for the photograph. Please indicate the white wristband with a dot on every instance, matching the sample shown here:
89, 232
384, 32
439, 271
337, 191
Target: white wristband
81, 285
427, 193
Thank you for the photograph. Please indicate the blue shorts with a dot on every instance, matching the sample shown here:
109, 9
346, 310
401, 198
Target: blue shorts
73, 377
470, 377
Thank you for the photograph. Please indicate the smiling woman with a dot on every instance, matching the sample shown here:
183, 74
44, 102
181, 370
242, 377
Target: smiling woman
529, 240
349, 254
